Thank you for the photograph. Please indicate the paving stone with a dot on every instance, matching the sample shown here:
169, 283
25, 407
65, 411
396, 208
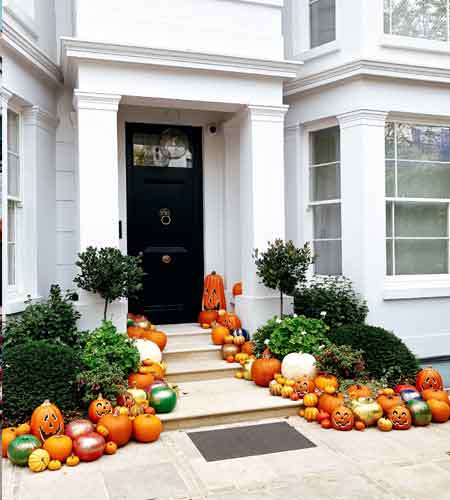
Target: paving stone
144, 483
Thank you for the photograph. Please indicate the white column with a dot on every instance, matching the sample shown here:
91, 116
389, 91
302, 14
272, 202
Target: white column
363, 200
98, 190
262, 204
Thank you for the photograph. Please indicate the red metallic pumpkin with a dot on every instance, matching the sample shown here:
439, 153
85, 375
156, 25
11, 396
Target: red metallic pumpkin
89, 447
78, 427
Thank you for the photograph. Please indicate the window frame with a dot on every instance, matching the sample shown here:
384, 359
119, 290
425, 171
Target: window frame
310, 46
419, 280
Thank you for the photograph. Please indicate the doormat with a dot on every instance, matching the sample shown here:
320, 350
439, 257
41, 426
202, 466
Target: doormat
248, 441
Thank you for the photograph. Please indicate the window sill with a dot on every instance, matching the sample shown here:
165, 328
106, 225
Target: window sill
17, 304
414, 44
320, 51
416, 287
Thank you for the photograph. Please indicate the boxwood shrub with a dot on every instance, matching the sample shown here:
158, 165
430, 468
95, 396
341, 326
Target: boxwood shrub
385, 355
35, 371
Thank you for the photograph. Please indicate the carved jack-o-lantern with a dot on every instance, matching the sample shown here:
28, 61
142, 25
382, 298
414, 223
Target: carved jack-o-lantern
99, 408
429, 378
342, 419
46, 421
304, 385
229, 320
400, 416
213, 293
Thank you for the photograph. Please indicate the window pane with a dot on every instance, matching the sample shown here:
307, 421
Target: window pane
420, 142
326, 183
11, 264
325, 146
11, 222
389, 257
327, 221
420, 19
328, 257
322, 22
421, 220
389, 220
390, 178
13, 175
421, 256
166, 150
423, 180
390, 140
13, 132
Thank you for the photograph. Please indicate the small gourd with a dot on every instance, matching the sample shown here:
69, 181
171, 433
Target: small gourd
54, 465
38, 460
239, 340
311, 414
275, 388
72, 460
287, 391
310, 400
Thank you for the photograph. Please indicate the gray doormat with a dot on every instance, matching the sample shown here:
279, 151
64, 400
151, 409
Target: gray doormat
248, 441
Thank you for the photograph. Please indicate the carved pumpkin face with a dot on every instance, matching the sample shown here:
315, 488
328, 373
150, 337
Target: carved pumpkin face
429, 378
46, 421
213, 292
400, 417
99, 408
230, 321
304, 385
342, 419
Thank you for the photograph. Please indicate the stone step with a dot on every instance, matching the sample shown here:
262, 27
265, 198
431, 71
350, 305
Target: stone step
210, 369
224, 400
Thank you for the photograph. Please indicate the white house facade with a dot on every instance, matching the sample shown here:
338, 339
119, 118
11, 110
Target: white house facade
325, 121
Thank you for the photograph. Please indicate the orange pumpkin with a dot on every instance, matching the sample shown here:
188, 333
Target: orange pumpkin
46, 421
147, 428
58, 447
119, 427
237, 289
228, 339
140, 380
207, 317
156, 369
230, 320
440, 411
328, 402
324, 379
264, 369
401, 418
304, 385
342, 419
213, 293
359, 391
8, 435
110, 448
359, 425
218, 334
98, 408
156, 336
389, 401
23, 429
435, 394
429, 378
135, 332
310, 400
248, 348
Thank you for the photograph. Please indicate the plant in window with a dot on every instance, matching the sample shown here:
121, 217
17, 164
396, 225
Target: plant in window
283, 266
109, 273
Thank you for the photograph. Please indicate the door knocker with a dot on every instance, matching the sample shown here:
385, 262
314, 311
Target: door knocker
164, 215
167, 259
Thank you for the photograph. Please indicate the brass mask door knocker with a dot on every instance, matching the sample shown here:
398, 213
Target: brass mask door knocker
164, 216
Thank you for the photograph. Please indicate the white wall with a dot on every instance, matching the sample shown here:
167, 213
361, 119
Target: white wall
222, 26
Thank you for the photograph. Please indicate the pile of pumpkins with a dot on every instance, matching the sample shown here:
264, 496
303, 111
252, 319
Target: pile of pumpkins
47, 443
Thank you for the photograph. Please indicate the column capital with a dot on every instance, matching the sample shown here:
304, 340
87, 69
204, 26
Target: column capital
369, 117
95, 101
266, 113
5, 96
35, 115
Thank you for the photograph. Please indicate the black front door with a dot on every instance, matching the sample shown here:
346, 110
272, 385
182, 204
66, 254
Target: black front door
165, 219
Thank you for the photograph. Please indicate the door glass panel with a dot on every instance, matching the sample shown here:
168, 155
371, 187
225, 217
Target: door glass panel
169, 149
328, 257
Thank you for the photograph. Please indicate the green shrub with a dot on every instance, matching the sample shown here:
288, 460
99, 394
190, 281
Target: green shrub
36, 371
331, 298
343, 361
54, 320
105, 379
262, 336
385, 355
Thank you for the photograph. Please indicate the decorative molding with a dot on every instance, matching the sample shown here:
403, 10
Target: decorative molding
96, 101
5, 96
416, 287
11, 39
34, 115
264, 3
365, 67
73, 50
20, 17
266, 113
360, 117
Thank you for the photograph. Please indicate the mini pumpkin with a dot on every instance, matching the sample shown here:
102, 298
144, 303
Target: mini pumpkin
359, 391
228, 339
98, 408
241, 357
304, 385
287, 391
310, 400
359, 425
400, 416
275, 388
72, 460
8, 435
384, 424
237, 289
23, 429
38, 460
342, 419
46, 421
54, 465
239, 340
59, 447
324, 379
311, 414
429, 378
218, 334
110, 448
248, 348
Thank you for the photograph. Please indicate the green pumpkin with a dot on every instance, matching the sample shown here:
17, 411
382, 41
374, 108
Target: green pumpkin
420, 412
22, 447
163, 399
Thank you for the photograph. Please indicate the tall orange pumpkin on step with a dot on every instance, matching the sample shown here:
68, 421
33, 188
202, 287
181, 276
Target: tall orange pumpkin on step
213, 293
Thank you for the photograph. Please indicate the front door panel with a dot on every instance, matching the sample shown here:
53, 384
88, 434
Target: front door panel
165, 220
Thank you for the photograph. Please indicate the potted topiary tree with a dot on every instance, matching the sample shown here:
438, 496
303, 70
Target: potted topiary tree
109, 273
283, 266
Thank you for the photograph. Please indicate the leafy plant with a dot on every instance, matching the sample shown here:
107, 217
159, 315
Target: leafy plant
343, 361
262, 336
109, 273
37, 370
385, 355
104, 378
106, 346
54, 320
282, 266
331, 298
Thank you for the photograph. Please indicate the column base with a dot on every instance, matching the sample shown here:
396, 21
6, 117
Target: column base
255, 311
92, 314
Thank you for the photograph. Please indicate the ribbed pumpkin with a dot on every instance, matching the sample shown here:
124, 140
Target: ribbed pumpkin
264, 369
429, 378
38, 460
8, 435
218, 334
98, 408
141, 380
324, 379
207, 317
58, 447
248, 348
213, 293
156, 336
147, 428
46, 421
119, 427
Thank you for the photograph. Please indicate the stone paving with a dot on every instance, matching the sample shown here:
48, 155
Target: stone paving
354, 465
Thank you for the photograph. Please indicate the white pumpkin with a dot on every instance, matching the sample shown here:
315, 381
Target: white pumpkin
297, 365
148, 350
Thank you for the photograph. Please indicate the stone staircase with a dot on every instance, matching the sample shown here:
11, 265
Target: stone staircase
209, 393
